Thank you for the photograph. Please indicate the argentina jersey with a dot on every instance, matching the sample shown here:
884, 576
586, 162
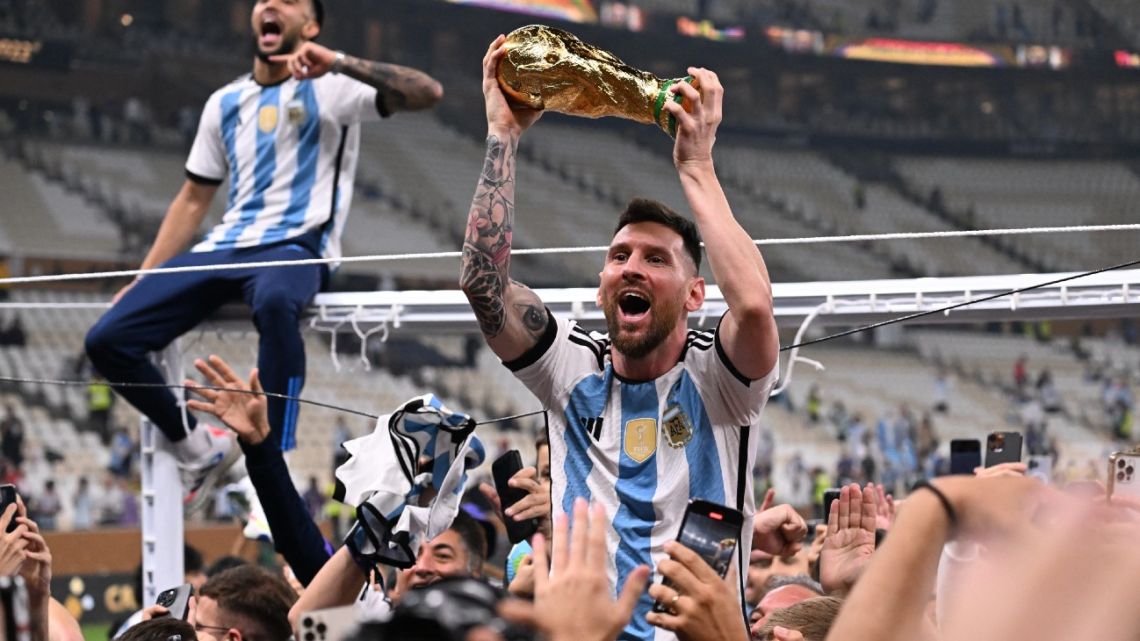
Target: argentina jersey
644, 449
289, 152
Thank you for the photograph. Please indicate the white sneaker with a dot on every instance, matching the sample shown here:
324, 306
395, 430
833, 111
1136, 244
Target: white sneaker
201, 476
246, 506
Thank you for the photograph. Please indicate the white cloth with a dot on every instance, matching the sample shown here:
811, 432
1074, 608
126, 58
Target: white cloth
382, 468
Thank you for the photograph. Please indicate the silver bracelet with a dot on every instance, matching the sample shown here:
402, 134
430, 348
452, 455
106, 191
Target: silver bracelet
338, 62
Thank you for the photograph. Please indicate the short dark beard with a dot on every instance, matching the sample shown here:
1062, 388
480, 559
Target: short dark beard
287, 46
660, 326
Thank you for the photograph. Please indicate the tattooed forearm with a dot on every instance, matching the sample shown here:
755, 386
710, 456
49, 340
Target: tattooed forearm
399, 88
487, 244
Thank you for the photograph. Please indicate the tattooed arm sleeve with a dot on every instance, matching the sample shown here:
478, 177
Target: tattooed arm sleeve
398, 88
510, 315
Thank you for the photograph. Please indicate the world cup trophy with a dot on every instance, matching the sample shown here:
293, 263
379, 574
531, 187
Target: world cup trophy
548, 68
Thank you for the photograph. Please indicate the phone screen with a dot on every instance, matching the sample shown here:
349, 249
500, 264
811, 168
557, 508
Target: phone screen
830, 496
965, 455
713, 539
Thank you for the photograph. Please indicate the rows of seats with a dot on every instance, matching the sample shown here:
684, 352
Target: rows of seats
1026, 193
821, 191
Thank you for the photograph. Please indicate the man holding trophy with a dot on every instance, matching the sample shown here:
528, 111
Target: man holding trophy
652, 414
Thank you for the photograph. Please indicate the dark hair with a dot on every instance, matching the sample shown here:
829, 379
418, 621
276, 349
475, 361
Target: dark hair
644, 210
474, 539
160, 629
227, 562
192, 559
539, 442
257, 597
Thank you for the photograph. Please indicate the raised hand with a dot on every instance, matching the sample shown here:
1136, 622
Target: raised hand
502, 116
310, 60
536, 504
577, 575
777, 529
36, 568
243, 410
12, 544
850, 539
885, 507
696, 128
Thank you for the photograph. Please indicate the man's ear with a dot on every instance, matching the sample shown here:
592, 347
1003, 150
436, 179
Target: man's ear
233, 634
696, 295
311, 29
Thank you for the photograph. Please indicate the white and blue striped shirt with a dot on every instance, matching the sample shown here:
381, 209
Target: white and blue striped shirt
644, 449
289, 151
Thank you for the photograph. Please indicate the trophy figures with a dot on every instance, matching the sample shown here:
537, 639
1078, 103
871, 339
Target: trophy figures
548, 68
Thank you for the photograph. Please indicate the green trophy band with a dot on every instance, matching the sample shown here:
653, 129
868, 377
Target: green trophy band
548, 68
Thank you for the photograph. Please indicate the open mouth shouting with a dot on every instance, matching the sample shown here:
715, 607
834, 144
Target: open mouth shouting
633, 307
270, 31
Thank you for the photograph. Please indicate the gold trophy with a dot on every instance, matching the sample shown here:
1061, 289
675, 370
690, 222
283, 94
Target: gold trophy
548, 68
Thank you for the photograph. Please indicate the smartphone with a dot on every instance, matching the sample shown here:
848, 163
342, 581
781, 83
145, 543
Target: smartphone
1003, 447
713, 532
1124, 475
503, 469
329, 624
8, 497
176, 600
830, 495
1040, 468
965, 455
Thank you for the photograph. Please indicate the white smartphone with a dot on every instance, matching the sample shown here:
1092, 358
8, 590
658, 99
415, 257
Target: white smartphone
1124, 475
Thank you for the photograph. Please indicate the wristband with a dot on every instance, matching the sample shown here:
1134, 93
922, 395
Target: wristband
951, 515
338, 62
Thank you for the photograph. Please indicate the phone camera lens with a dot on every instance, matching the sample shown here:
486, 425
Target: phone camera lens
1129, 470
1120, 476
1120, 463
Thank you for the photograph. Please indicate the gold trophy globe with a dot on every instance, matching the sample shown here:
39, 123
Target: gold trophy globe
548, 68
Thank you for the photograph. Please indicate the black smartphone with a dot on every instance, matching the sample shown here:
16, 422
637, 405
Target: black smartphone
176, 600
830, 495
8, 497
503, 469
713, 532
965, 455
1003, 447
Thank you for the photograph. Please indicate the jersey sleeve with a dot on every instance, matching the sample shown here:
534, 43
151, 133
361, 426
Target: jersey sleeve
348, 101
730, 397
559, 359
206, 163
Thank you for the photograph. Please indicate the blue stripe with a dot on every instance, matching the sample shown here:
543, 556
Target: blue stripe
231, 110
587, 401
308, 149
264, 167
705, 478
289, 429
636, 485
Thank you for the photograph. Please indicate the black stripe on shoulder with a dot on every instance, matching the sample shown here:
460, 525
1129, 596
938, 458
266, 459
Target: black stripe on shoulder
202, 180
531, 356
593, 347
728, 364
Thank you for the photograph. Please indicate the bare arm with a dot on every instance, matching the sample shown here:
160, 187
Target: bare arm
398, 88
510, 315
338, 583
178, 226
748, 332
181, 222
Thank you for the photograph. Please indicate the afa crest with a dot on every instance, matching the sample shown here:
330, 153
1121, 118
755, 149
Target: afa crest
678, 427
641, 439
267, 118
295, 112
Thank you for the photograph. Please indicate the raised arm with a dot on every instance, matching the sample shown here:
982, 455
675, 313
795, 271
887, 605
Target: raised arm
748, 331
398, 88
510, 315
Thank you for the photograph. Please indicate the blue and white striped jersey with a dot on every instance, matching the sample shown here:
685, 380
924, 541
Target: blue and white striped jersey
289, 151
643, 449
